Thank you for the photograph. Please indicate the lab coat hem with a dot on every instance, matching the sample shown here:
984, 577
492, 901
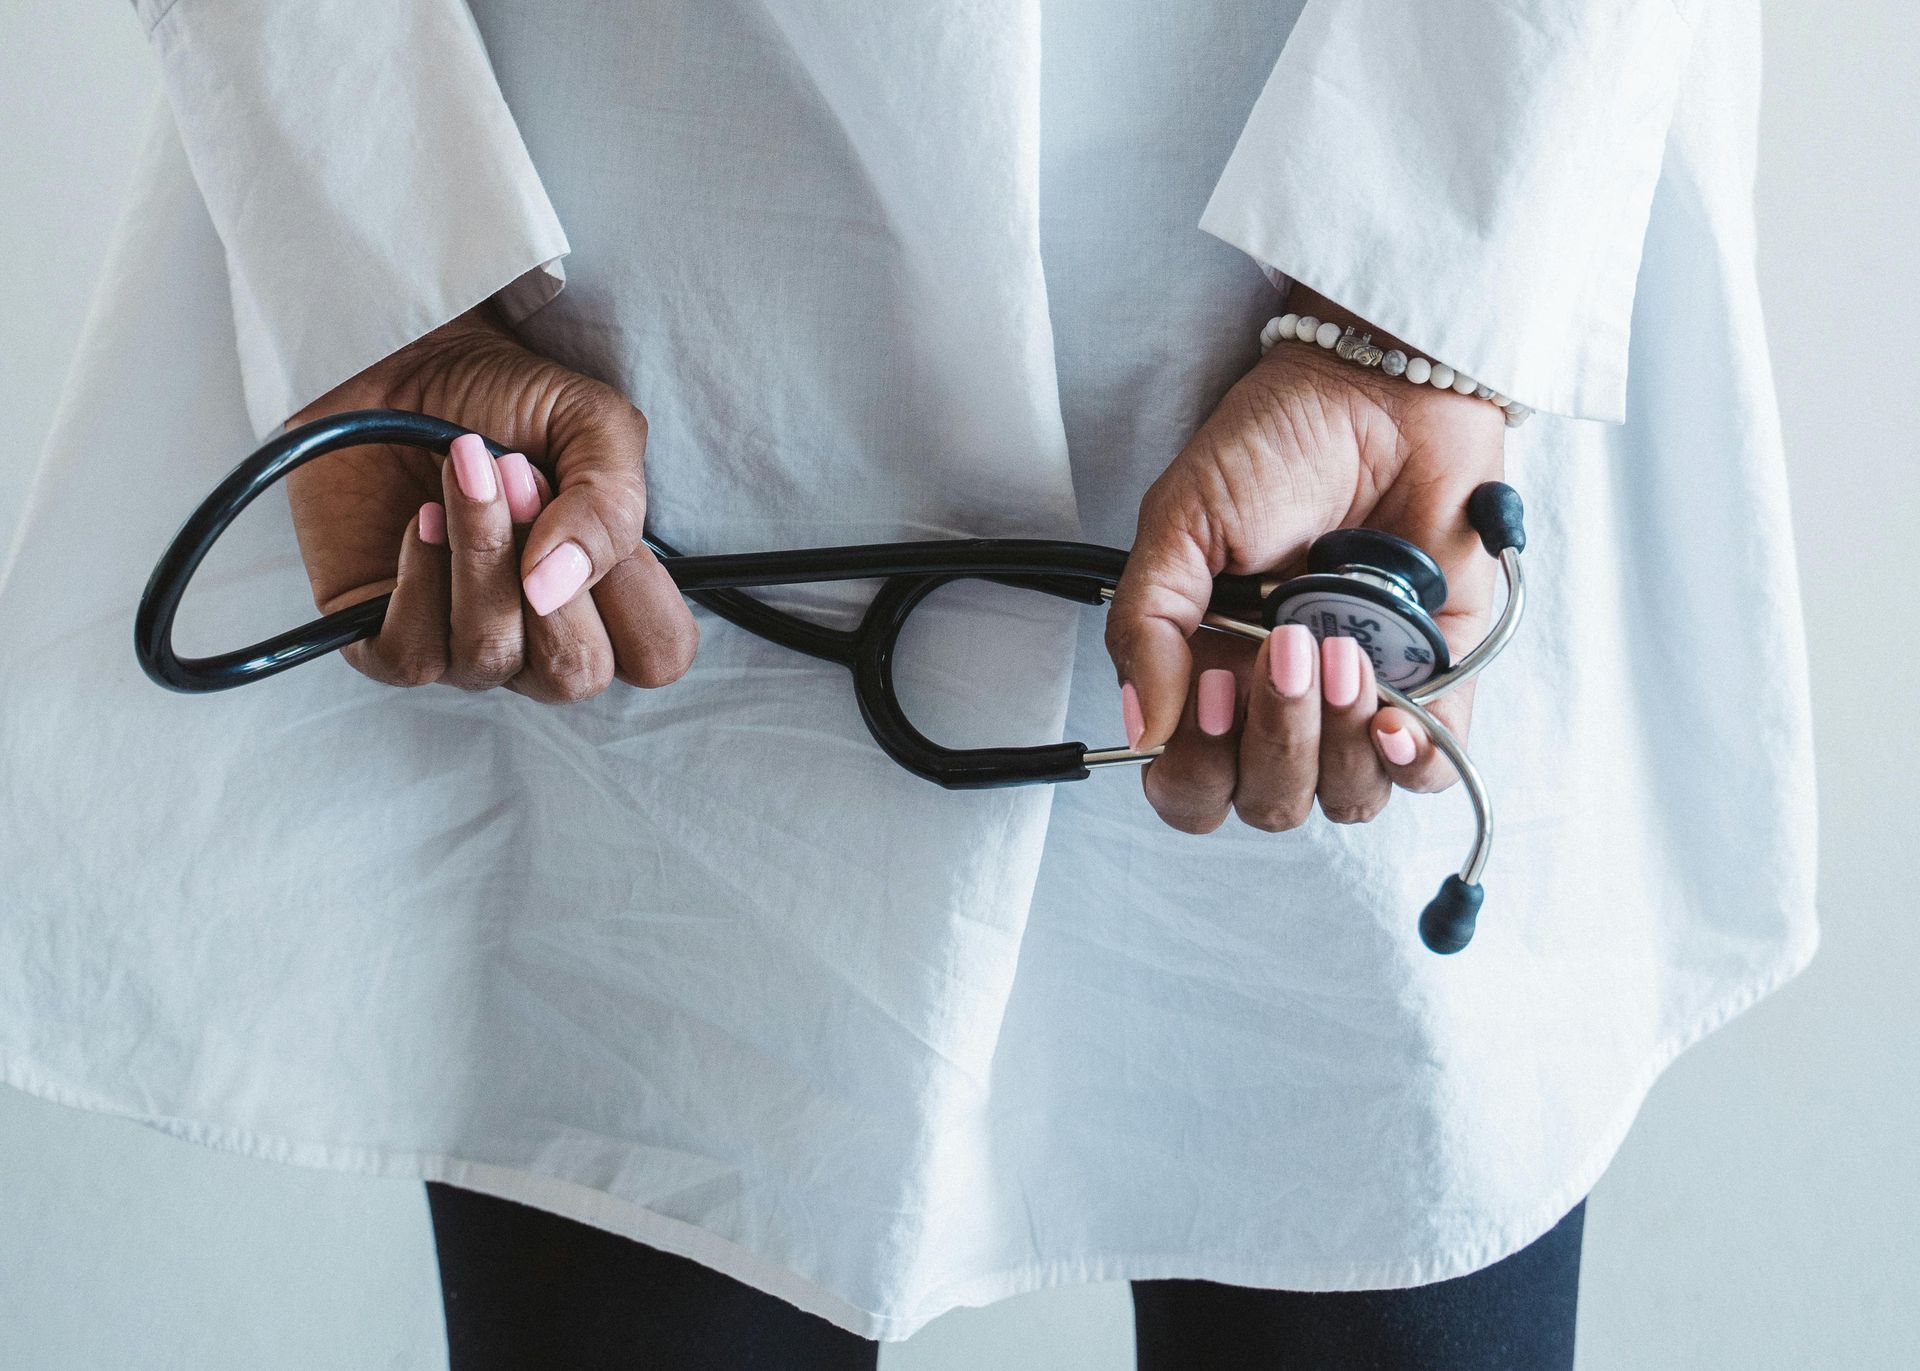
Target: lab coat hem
586, 1204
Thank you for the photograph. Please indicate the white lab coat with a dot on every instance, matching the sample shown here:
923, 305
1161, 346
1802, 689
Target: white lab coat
699, 965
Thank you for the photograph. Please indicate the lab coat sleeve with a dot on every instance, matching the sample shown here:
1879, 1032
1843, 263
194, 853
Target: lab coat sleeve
364, 175
1474, 177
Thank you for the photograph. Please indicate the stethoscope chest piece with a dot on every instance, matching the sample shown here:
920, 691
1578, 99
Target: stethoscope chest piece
1375, 588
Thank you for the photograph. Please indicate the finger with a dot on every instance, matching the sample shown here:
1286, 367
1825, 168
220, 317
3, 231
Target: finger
1409, 753
1190, 785
522, 487
590, 538
1280, 742
1353, 781
411, 649
1157, 606
569, 656
597, 445
486, 640
652, 646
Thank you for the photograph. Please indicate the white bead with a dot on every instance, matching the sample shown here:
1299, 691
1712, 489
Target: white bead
1465, 384
1418, 370
1500, 399
1327, 334
1270, 334
1306, 328
1288, 323
1442, 378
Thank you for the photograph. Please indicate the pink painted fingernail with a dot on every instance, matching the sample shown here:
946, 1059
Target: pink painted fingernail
523, 496
1397, 745
1290, 660
1130, 715
472, 467
433, 523
1340, 671
557, 577
1213, 702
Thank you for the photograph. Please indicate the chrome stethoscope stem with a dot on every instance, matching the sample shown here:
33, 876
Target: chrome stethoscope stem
1490, 646
1469, 774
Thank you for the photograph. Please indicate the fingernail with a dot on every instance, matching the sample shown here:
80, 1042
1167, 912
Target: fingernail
1340, 671
1130, 715
1213, 702
1290, 660
523, 496
556, 577
472, 467
433, 523
1397, 745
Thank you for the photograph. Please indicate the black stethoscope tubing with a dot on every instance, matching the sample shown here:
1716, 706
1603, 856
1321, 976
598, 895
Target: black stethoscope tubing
908, 572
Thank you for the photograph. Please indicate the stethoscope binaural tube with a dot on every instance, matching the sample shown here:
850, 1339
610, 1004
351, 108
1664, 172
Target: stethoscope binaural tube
909, 572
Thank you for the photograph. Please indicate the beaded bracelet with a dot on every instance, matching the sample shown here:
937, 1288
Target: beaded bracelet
1361, 350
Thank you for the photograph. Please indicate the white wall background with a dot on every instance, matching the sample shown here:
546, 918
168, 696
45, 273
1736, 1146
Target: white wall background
1763, 1214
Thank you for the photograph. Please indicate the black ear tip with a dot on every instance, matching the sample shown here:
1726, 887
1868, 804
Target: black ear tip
1498, 516
1446, 924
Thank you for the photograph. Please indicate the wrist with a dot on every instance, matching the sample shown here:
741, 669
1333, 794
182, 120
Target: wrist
1312, 318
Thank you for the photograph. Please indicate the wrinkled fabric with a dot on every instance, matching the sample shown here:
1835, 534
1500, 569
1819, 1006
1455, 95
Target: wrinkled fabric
699, 965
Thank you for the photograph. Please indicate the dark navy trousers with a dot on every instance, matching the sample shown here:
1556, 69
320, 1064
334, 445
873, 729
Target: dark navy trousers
523, 1288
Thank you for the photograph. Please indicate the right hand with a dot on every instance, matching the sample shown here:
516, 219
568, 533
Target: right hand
496, 579
1301, 445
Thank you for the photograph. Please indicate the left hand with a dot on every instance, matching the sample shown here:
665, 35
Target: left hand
496, 577
1303, 444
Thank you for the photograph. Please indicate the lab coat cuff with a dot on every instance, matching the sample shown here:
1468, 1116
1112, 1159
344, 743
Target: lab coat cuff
1476, 182
365, 177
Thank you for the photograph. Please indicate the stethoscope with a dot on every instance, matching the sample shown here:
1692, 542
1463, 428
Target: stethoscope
1361, 583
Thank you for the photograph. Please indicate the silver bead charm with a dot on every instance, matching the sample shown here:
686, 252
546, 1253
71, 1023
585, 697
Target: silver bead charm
1354, 348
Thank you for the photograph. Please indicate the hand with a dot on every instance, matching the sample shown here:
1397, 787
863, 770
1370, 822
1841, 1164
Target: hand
496, 580
1303, 444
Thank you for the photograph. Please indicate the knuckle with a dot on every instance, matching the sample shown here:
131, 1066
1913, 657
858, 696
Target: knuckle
1185, 808
488, 540
416, 669
1349, 812
404, 668
622, 513
571, 687
570, 675
1273, 816
663, 659
1195, 822
1284, 746
488, 659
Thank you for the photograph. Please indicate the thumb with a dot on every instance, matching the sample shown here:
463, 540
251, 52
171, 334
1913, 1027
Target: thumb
1157, 606
596, 443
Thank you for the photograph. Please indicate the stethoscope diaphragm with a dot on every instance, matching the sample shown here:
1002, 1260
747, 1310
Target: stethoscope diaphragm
1377, 589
